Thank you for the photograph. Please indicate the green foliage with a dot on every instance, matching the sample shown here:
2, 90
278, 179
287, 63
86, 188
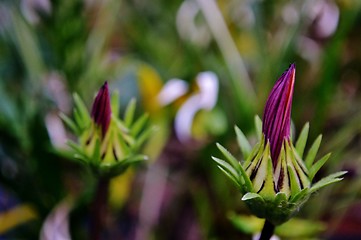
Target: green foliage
76, 45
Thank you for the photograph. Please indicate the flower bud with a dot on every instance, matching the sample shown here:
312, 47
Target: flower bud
107, 143
101, 111
274, 180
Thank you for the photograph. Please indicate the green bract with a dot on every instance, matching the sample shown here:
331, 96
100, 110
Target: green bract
275, 193
111, 154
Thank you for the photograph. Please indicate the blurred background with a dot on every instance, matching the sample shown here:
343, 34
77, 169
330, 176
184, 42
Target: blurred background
198, 67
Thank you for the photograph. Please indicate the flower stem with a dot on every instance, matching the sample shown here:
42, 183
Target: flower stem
267, 231
98, 211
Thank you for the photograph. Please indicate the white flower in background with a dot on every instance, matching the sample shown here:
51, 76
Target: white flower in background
190, 27
204, 99
172, 90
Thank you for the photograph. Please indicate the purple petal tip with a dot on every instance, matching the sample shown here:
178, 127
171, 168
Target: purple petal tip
101, 110
277, 112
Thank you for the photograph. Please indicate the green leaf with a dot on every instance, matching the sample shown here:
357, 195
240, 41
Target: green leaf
139, 125
248, 224
280, 197
302, 139
299, 196
250, 196
300, 229
114, 169
313, 152
143, 137
81, 109
114, 102
129, 113
243, 143
227, 167
258, 124
96, 153
231, 178
295, 187
254, 153
124, 147
70, 123
78, 150
336, 177
230, 158
78, 120
317, 166
237, 166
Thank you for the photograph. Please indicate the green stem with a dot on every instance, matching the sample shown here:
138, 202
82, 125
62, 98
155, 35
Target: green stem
267, 231
98, 211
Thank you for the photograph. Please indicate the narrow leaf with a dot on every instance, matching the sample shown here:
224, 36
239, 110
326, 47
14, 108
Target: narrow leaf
143, 137
300, 195
258, 124
280, 197
114, 102
139, 125
236, 165
227, 167
336, 177
317, 166
313, 152
231, 177
96, 153
295, 187
82, 110
78, 150
129, 112
250, 195
302, 139
243, 143
70, 123
231, 159
78, 119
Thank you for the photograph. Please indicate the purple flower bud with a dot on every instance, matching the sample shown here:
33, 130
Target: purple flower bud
277, 112
101, 111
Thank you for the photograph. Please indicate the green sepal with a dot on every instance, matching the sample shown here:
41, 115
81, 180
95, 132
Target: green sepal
232, 160
317, 166
276, 211
70, 123
129, 112
114, 103
143, 137
227, 167
280, 199
81, 113
113, 170
230, 172
96, 152
264, 176
251, 196
302, 139
335, 177
300, 196
79, 153
313, 152
237, 166
253, 154
258, 124
243, 143
252, 162
139, 124
295, 187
